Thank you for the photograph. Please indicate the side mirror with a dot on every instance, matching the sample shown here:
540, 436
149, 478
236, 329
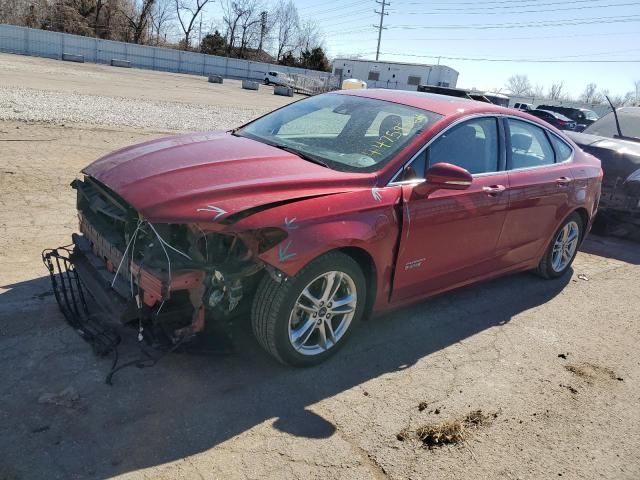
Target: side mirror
444, 176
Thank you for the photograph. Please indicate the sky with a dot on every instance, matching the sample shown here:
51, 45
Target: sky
593, 32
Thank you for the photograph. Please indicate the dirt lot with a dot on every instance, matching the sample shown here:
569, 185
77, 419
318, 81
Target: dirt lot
494, 347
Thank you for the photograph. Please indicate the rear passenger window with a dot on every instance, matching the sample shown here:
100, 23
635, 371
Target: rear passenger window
563, 151
472, 145
529, 145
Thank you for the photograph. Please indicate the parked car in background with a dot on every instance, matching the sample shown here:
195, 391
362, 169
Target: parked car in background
278, 78
557, 120
486, 97
525, 107
326, 210
582, 116
617, 145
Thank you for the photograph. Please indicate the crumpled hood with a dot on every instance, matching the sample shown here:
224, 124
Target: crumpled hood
619, 158
209, 176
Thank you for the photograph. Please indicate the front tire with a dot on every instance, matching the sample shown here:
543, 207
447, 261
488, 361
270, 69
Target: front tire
563, 248
307, 318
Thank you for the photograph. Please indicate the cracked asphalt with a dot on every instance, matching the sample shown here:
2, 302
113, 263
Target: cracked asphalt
493, 347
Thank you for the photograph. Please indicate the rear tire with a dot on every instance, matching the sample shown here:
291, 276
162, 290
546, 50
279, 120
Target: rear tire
266, 81
296, 320
562, 249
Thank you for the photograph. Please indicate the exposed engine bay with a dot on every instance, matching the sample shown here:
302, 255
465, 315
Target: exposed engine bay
166, 281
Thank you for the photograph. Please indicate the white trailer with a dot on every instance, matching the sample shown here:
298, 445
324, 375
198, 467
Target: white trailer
395, 75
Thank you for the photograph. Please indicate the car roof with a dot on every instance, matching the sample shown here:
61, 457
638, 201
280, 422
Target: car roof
442, 104
555, 114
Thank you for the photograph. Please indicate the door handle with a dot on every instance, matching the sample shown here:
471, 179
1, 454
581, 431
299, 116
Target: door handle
494, 190
563, 181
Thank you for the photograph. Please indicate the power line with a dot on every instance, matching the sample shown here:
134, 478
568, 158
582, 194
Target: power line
511, 60
536, 37
536, 24
503, 2
315, 10
380, 28
466, 12
357, 13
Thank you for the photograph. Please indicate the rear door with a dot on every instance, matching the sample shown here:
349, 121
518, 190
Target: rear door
541, 186
450, 236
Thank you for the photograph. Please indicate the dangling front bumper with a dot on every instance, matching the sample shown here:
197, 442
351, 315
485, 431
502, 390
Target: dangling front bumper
66, 266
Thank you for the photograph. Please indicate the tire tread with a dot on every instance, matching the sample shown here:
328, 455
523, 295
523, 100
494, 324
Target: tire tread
270, 295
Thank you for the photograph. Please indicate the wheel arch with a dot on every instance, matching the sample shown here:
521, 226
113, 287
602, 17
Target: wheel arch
369, 270
584, 216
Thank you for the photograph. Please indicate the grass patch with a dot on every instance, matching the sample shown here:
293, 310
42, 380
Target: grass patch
591, 372
450, 432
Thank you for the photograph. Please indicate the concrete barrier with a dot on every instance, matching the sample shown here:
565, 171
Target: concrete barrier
215, 79
117, 62
249, 85
283, 90
70, 57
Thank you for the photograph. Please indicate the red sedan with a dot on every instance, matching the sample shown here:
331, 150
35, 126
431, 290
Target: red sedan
324, 211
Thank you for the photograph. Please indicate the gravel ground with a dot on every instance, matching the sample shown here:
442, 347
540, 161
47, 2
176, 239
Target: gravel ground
51, 91
52, 107
553, 364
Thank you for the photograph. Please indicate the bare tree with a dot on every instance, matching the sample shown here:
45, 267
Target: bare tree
629, 98
538, 91
286, 28
636, 84
250, 23
138, 18
589, 93
187, 12
161, 16
309, 36
617, 100
519, 84
556, 91
233, 13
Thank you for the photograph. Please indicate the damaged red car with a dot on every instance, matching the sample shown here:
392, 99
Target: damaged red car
318, 214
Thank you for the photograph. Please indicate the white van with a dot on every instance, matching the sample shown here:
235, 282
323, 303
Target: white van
278, 78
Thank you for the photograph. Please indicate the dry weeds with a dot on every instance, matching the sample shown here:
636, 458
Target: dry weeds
450, 432
591, 372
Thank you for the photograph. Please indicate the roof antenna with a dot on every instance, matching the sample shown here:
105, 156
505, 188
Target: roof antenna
615, 114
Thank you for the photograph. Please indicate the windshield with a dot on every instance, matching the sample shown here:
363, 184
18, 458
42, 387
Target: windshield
344, 132
590, 115
629, 118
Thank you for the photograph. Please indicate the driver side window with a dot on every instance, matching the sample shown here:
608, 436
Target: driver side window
472, 145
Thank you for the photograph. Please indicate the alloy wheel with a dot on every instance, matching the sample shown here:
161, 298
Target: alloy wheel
564, 246
322, 313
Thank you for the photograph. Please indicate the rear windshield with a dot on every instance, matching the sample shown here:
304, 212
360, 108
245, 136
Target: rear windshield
343, 132
590, 115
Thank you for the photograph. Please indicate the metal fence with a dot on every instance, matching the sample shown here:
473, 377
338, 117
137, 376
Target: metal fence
43, 43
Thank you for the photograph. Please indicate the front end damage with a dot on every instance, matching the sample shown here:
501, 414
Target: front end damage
167, 281
619, 207
619, 210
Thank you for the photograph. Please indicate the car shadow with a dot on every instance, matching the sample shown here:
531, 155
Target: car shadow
188, 404
612, 247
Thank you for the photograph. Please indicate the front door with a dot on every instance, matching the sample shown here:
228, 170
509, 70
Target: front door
451, 236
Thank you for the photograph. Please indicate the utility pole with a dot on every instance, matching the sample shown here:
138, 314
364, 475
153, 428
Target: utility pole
263, 28
380, 27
